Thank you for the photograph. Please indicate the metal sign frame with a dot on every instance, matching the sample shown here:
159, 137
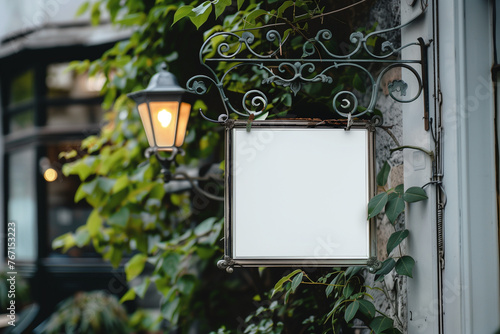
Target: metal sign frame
254, 237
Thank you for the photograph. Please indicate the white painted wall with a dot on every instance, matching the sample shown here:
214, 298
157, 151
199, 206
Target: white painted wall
472, 224
471, 295
420, 217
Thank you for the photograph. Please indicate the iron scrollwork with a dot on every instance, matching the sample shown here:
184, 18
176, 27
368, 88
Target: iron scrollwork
316, 65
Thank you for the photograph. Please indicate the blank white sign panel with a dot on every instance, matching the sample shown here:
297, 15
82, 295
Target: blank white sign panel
300, 193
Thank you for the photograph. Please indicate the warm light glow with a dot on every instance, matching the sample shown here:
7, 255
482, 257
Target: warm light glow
50, 175
156, 119
165, 117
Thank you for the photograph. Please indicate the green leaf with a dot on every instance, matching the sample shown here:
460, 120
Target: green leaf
79, 168
339, 304
120, 184
115, 256
169, 309
94, 223
395, 239
383, 175
414, 194
287, 296
134, 19
79, 194
394, 207
120, 218
348, 290
129, 295
105, 184
287, 99
283, 7
205, 226
201, 13
113, 161
82, 237
204, 252
183, 12
279, 285
376, 204
367, 308
400, 189
351, 271
82, 9
380, 324
296, 281
65, 241
135, 266
143, 287
387, 266
405, 265
95, 13
329, 288
220, 6
255, 14
240, 3
171, 263
351, 311
262, 117
186, 284
89, 187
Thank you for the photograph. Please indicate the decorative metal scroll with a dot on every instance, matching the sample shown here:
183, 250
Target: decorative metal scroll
317, 63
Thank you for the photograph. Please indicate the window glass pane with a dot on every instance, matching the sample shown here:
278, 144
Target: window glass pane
62, 83
64, 215
74, 114
21, 120
22, 202
22, 88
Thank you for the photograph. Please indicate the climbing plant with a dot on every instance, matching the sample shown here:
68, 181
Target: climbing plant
172, 239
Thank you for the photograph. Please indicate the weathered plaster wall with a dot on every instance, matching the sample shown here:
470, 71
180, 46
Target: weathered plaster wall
394, 301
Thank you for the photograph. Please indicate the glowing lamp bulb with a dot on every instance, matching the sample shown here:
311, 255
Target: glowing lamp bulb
164, 117
50, 175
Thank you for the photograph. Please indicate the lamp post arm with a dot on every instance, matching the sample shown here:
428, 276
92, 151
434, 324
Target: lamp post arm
191, 180
166, 162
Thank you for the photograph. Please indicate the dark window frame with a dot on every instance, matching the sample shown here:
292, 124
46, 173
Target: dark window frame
40, 136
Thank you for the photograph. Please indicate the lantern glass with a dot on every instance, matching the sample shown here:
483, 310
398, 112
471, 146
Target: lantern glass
165, 123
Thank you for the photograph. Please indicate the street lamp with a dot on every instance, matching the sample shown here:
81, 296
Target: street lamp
164, 117
163, 114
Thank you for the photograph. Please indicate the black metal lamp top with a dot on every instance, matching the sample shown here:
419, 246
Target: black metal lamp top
162, 85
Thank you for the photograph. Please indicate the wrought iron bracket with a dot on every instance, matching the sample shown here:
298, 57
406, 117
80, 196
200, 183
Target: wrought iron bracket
166, 163
318, 64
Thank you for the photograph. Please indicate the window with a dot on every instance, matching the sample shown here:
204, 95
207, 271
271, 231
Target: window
22, 201
38, 196
20, 106
63, 214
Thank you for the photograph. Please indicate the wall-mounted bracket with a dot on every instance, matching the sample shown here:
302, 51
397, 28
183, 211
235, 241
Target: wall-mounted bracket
320, 63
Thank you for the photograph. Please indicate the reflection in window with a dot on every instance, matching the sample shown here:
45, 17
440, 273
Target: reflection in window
22, 202
64, 215
62, 83
22, 120
74, 114
22, 88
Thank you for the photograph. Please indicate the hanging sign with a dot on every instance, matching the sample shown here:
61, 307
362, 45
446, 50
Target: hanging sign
297, 195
